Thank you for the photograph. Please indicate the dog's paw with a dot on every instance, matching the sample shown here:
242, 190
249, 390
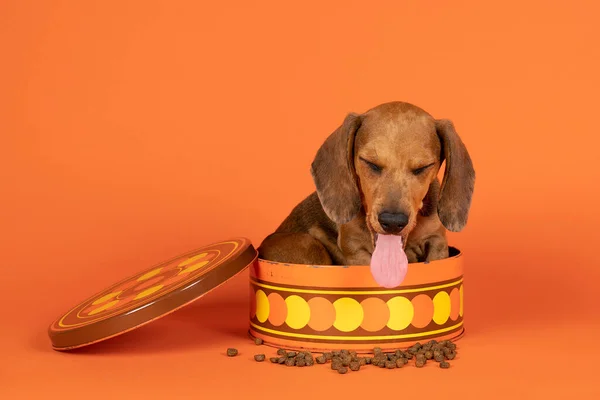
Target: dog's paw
413, 253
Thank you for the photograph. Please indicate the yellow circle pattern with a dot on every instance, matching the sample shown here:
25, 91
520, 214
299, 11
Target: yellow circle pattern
441, 308
107, 297
401, 313
148, 292
149, 274
192, 259
262, 306
461, 301
298, 313
103, 307
193, 268
349, 314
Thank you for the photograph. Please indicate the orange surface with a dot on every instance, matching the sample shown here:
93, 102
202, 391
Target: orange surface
131, 132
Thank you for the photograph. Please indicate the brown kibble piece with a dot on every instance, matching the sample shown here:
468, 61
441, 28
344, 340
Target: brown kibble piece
368, 360
342, 370
429, 355
390, 364
274, 360
300, 362
439, 357
328, 356
258, 341
362, 361
291, 354
451, 355
376, 350
300, 355
354, 366
281, 352
232, 352
400, 363
336, 365
445, 364
282, 360
259, 357
420, 363
321, 360
290, 362
309, 362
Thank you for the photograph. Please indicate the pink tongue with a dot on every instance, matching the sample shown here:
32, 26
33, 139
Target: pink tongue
388, 262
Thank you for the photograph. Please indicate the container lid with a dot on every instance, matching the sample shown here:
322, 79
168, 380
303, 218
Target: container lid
151, 294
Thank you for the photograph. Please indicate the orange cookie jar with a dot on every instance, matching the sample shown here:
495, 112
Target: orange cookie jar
334, 307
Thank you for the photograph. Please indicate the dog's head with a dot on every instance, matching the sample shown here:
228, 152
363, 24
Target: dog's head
385, 161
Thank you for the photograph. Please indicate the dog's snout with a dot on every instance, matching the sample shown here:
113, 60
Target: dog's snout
392, 222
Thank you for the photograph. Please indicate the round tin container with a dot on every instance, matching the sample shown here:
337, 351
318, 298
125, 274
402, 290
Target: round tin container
321, 308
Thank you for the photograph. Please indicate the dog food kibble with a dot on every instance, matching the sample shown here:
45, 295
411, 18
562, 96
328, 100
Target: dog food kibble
232, 352
354, 366
345, 361
258, 341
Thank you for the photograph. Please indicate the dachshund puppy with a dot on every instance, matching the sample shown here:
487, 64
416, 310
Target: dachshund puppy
377, 175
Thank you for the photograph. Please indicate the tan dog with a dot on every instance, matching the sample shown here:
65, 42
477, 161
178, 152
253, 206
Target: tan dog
377, 174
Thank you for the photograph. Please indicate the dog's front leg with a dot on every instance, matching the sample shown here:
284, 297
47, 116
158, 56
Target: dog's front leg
436, 248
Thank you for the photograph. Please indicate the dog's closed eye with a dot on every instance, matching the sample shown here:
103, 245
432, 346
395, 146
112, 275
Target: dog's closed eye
420, 170
374, 167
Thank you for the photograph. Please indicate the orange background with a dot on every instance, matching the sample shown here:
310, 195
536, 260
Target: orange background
135, 131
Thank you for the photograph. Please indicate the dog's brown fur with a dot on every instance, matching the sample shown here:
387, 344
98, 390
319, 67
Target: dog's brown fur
386, 159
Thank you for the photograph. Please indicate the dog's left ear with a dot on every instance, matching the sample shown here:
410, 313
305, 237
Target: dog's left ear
459, 178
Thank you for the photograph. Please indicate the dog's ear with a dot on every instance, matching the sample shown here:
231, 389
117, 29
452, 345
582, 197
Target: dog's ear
333, 172
459, 178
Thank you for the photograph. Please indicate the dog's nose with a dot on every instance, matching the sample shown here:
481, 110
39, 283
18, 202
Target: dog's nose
391, 222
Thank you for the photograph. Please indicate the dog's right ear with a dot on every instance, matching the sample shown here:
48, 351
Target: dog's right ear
333, 172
